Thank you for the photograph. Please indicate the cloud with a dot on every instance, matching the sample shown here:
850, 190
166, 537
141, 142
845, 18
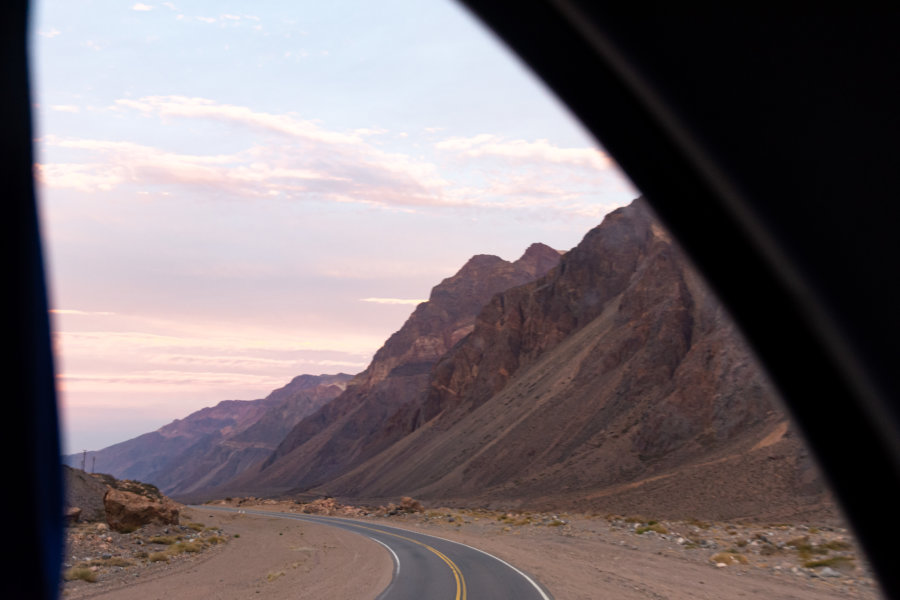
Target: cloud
91, 313
291, 158
88, 177
170, 378
288, 158
536, 151
215, 343
142, 7
51, 33
392, 300
69, 108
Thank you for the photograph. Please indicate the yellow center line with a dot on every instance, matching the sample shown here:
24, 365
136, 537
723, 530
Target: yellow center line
457, 574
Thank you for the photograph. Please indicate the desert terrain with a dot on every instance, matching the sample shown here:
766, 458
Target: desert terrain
574, 556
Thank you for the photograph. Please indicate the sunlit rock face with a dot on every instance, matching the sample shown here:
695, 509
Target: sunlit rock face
615, 382
356, 425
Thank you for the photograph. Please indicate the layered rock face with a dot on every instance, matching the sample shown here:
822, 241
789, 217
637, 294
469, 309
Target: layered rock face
355, 426
607, 384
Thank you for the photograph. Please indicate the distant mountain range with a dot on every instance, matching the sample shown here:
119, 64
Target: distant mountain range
607, 379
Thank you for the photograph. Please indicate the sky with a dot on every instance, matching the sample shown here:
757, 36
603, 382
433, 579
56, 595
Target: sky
235, 193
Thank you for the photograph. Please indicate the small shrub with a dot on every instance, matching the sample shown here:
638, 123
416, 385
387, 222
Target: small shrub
837, 545
158, 557
196, 526
635, 519
237, 535
741, 543
141, 554
182, 547
556, 523
832, 561
656, 527
82, 573
166, 540
729, 558
698, 523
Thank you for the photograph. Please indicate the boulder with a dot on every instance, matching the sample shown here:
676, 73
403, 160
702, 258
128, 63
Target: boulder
126, 511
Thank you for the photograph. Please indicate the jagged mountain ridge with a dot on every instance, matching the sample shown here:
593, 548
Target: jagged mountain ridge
352, 427
599, 385
180, 450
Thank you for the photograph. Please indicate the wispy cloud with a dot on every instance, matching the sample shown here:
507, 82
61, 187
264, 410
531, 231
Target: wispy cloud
522, 150
296, 159
308, 163
215, 343
50, 33
142, 7
392, 300
91, 313
68, 108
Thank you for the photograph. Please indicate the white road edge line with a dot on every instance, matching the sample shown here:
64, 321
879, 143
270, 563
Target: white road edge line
534, 584
394, 554
540, 590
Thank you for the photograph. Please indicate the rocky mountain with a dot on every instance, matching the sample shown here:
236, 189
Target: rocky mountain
215, 443
355, 425
614, 382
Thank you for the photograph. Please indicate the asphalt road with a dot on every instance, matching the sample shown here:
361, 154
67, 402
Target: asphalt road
429, 567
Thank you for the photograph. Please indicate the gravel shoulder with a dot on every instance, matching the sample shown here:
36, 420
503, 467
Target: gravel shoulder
265, 556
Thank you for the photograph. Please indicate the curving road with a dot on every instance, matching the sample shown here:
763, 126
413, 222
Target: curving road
426, 566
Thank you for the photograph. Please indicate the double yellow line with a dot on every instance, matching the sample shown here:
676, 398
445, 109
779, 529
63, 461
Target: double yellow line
457, 574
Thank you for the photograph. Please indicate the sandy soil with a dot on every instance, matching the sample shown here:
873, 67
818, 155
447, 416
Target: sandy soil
274, 558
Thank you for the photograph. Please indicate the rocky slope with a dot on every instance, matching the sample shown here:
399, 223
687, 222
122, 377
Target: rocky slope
615, 382
355, 426
216, 442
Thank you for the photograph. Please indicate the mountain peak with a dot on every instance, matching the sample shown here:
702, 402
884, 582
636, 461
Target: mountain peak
538, 259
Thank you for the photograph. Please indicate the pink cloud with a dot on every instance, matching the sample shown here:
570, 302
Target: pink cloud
538, 151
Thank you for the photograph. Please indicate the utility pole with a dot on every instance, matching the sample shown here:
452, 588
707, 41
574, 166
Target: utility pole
93, 462
83, 458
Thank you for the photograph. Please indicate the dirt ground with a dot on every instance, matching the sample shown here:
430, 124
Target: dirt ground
274, 558
575, 556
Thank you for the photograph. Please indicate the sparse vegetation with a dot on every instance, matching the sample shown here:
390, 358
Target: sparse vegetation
652, 526
196, 526
82, 573
114, 561
698, 523
158, 557
729, 558
163, 539
832, 561
635, 519
556, 523
837, 545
